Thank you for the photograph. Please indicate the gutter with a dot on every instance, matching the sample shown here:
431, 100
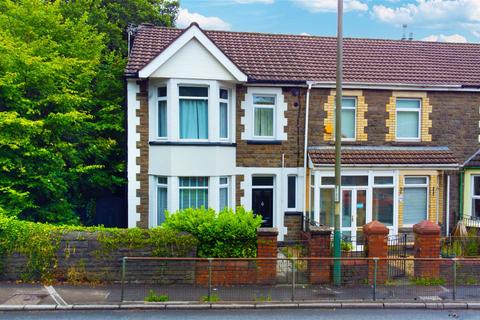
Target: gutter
305, 149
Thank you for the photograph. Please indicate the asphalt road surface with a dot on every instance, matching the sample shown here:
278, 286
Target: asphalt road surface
274, 314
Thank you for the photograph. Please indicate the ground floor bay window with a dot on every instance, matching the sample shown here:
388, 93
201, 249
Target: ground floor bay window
365, 196
178, 193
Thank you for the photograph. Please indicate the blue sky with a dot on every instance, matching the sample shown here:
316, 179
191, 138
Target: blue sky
433, 20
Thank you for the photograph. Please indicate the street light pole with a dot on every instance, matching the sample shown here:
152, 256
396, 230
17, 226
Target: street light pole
338, 144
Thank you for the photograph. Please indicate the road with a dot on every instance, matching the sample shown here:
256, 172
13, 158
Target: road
274, 314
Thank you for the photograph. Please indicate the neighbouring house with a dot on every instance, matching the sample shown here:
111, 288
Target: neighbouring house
470, 191
218, 119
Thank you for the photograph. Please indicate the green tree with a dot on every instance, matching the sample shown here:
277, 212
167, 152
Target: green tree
61, 95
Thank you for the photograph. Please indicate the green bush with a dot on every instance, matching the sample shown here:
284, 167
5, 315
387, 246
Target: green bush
153, 297
220, 235
40, 244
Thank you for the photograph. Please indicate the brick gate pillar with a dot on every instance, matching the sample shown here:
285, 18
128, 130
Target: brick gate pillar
427, 245
377, 247
319, 246
266, 248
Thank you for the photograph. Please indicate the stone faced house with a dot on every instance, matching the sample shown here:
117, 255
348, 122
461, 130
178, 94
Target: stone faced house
218, 119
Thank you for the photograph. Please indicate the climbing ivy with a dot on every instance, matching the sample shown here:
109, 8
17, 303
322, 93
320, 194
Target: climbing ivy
40, 244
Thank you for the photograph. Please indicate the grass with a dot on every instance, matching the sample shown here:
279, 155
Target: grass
212, 298
428, 281
154, 297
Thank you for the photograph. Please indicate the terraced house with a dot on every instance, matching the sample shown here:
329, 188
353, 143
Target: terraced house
219, 119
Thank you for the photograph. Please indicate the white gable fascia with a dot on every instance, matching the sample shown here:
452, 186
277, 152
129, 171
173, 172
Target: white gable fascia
192, 32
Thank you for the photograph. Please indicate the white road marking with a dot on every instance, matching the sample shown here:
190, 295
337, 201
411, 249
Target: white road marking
55, 296
444, 289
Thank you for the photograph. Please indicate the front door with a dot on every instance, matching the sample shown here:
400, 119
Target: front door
354, 213
262, 204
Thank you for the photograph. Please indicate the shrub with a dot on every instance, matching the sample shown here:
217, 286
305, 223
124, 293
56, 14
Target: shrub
153, 297
220, 235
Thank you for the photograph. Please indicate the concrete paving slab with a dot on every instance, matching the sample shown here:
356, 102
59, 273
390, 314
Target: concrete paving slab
156, 306
473, 305
320, 305
10, 307
455, 305
95, 306
40, 307
432, 305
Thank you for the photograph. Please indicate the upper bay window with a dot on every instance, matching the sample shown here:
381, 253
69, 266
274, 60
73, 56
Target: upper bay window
193, 109
263, 116
162, 112
408, 118
223, 113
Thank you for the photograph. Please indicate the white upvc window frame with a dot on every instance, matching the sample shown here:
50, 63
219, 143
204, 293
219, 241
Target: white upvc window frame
419, 127
227, 101
354, 108
223, 186
159, 185
207, 98
265, 106
294, 208
158, 99
425, 185
473, 196
207, 187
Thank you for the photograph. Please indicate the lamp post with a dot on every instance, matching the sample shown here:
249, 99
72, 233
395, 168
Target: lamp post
338, 144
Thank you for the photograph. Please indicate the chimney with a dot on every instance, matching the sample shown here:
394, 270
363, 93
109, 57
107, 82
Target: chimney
410, 36
404, 34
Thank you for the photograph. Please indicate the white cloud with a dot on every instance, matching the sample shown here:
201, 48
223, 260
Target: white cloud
429, 11
305, 34
444, 38
331, 5
254, 1
185, 18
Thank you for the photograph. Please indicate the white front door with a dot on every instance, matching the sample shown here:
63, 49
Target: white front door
354, 212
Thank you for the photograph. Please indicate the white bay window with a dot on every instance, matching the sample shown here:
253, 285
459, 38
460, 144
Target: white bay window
193, 105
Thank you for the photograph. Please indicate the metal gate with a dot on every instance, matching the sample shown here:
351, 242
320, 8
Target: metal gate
397, 248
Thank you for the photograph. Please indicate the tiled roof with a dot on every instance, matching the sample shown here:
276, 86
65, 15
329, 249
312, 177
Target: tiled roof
290, 58
474, 160
401, 156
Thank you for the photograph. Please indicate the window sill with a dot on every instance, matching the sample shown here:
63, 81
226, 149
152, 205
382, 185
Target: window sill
259, 141
192, 143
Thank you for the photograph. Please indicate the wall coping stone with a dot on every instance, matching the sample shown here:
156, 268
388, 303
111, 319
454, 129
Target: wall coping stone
265, 232
375, 227
320, 230
426, 227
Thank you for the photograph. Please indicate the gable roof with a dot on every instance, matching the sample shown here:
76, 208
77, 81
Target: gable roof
473, 161
389, 155
297, 59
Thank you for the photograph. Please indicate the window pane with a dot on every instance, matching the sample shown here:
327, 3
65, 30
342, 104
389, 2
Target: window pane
382, 206
161, 204
268, 100
162, 92
328, 180
223, 94
415, 180
408, 103
193, 119
348, 103
262, 181
355, 181
326, 207
162, 118
414, 205
348, 123
383, 180
475, 208
223, 120
223, 180
476, 185
162, 180
223, 198
407, 124
263, 122
193, 91
292, 186
193, 192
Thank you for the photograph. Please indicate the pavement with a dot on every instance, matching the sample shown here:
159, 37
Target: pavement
21, 297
